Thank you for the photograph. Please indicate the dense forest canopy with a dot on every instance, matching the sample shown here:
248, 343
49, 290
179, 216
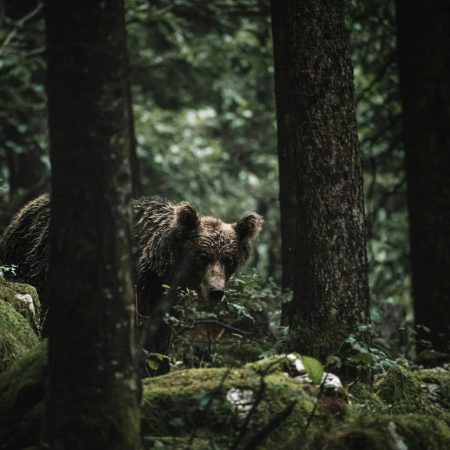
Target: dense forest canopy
202, 85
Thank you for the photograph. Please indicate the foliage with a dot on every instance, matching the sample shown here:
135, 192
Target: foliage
5, 271
313, 368
373, 39
261, 402
244, 326
361, 351
23, 130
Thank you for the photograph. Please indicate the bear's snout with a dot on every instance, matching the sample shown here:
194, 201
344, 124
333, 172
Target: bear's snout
213, 283
216, 294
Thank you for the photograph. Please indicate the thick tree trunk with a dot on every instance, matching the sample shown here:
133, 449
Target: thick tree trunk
321, 192
424, 62
92, 390
286, 154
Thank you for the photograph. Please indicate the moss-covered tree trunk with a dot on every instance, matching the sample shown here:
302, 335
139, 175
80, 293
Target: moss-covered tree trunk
92, 389
424, 62
321, 192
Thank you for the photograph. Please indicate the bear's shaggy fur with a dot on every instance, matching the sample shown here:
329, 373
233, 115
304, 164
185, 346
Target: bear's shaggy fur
174, 245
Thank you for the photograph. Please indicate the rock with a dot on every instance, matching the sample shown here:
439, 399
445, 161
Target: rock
432, 358
22, 389
19, 319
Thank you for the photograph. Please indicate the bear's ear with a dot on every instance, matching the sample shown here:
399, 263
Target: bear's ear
186, 218
248, 226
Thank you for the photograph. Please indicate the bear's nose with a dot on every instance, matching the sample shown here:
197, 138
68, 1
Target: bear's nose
216, 294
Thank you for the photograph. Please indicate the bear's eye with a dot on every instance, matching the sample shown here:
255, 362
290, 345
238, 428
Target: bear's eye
229, 262
204, 258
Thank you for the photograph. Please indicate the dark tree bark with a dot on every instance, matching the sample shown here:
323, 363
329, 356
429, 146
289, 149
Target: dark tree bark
286, 154
321, 191
424, 62
92, 390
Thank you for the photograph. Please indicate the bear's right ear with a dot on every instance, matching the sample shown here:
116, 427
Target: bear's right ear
249, 226
186, 218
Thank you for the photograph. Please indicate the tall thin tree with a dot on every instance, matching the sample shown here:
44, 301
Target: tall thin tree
321, 193
92, 390
424, 63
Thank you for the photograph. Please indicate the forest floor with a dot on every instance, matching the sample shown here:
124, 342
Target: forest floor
275, 401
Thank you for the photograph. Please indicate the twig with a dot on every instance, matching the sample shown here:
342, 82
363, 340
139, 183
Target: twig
259, 396
319, 396
243, 429
207, 408
272, 425
21, 23
378, 77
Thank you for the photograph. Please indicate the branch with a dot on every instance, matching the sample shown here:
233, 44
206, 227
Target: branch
20, 23
272, 425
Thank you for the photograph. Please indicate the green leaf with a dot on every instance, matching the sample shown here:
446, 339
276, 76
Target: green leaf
314, 368
152, 364
334, 360
154, 360
362, 358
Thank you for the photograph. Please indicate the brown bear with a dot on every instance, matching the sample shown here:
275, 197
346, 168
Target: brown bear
175, 246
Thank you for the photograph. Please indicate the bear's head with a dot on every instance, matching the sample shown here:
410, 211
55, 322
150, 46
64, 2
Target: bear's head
210, 251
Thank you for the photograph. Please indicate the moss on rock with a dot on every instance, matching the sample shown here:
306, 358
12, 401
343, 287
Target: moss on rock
207, 408
16, 335
399, 386
172, 442
199, 399
425, 391
25, 301
387, 432
19, 321
185, 405
364, 399
22, 389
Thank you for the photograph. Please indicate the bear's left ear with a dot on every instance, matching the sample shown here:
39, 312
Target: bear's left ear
186, 218
248, 226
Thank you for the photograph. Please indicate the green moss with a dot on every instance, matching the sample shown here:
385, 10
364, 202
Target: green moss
423, 432
399, 386
196, 399
16, 335
171, 442
9, 293
235, 353
276, 363
318, 342
364, 399
412, 432
444, 394
21, 399
19, 328
189, 408
173, 407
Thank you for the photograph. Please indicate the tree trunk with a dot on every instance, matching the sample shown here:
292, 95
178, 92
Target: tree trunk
321, 190
286, 154
92, 391
424, 62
